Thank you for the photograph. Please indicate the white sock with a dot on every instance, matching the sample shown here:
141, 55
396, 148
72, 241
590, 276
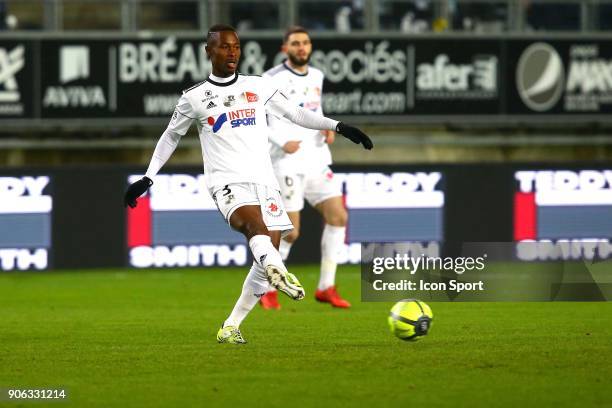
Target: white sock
284, 249
255, 286
264, 252
331, 244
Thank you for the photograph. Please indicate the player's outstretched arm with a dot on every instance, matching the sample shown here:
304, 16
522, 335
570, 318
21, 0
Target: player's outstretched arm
169, 140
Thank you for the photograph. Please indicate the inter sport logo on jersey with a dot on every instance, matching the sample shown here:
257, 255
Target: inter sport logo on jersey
216, 124
237, 118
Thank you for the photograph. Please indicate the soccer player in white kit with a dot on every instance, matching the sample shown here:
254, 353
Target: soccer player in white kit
301, 159
229, 111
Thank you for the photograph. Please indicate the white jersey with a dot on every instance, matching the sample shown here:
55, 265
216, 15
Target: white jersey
230, 114
231, 122
302, 90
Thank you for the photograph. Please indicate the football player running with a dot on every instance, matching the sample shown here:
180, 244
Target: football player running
301, 160
229, 110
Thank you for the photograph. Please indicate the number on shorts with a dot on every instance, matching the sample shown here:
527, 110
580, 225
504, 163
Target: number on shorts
226, 191
288, 181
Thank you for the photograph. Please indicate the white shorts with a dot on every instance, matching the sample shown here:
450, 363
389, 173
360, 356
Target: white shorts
233, 196
315, 187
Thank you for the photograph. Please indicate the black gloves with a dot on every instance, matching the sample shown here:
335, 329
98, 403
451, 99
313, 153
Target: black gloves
135, 190
354, 135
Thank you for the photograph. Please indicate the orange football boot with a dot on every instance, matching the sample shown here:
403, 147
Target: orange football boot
331, 296
269, 301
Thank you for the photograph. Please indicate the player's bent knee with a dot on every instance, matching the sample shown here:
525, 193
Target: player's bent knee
292, 236
250, 228
256, 228
337, 218
247, 220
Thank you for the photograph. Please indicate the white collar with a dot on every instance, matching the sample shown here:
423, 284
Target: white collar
222, 80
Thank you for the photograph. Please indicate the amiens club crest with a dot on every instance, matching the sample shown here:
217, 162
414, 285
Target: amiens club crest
272, 208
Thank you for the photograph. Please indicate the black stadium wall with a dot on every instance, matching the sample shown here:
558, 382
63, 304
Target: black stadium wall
73, 217
385, 79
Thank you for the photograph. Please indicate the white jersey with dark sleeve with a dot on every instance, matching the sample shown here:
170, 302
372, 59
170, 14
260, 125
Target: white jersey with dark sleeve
231, 121
304, 90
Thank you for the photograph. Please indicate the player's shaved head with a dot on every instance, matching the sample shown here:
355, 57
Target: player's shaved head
215, 30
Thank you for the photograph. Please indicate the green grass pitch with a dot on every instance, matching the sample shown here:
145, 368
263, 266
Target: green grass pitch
147, 339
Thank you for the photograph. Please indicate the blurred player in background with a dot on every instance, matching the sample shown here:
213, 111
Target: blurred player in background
230, 111
301, 160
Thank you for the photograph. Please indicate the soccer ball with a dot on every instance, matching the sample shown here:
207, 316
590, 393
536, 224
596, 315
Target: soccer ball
410, 319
